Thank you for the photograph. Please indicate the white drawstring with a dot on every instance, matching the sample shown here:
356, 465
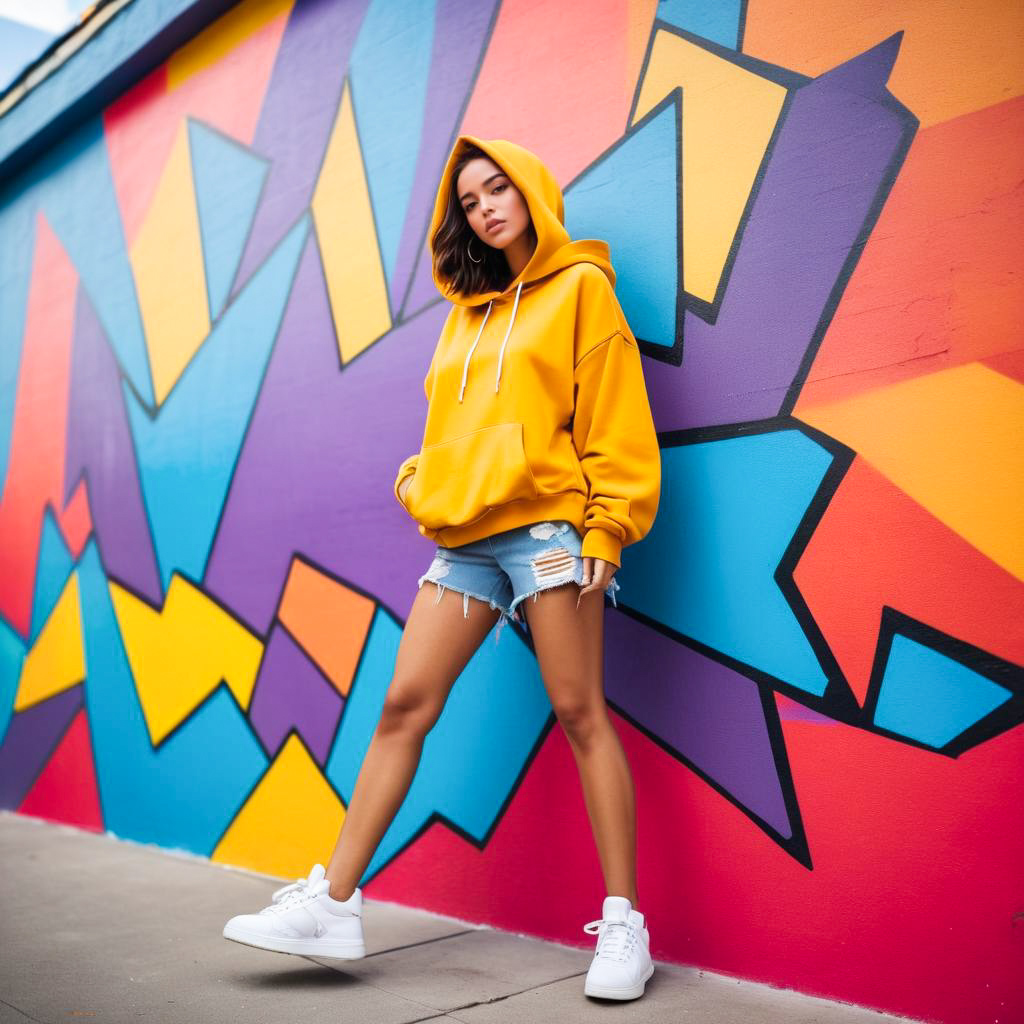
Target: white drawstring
469, 354
512, 320
501, 354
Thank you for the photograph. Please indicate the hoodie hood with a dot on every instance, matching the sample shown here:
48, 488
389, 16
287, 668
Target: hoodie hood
554, 250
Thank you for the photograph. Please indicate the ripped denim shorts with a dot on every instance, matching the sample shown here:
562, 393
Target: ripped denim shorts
508, 567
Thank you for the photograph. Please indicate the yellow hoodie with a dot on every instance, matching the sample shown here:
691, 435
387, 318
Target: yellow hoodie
536, 402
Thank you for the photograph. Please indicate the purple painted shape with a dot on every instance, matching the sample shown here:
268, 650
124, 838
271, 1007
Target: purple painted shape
298, 114
99, 444
707, 712
318, 466
291, 691
833, 154
460, 35
32, 737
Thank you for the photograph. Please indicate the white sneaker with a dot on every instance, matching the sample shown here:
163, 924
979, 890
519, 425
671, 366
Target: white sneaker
622, 963
303, 919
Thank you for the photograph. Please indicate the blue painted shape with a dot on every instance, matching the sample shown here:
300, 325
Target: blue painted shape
12, 657
389, 70
630, 198
53, 569
17, 229
717, 20
929, 697
228, 179
187, 454
474, 754
185, 793
728, 510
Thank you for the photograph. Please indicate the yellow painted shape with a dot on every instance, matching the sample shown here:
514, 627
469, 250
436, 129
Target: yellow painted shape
56, 661
170, 279
222, 36
347, 234
954, 442
178, 656
728, 116
290, 821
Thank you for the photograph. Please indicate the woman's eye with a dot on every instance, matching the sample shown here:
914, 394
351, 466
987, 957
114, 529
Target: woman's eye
500, 187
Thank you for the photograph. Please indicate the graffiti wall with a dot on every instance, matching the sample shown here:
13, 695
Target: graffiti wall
217, 314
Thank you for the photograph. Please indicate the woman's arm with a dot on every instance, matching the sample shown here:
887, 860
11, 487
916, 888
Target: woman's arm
613, 431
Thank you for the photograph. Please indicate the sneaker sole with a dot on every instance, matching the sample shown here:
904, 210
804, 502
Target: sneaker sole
603, 992
351, 949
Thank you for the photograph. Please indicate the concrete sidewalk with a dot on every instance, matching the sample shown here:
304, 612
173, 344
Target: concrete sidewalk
109, 931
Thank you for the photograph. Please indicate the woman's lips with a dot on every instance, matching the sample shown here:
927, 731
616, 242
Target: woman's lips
496, 227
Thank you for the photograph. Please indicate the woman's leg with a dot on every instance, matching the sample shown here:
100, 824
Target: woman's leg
436, 645
569, 645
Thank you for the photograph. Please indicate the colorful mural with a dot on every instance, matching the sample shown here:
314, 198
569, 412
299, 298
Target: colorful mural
217, 313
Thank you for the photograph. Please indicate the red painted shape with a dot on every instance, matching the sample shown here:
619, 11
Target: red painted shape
888, 550
66, 790
938, 283
913, 904
1009, 364
35, 474
142, 124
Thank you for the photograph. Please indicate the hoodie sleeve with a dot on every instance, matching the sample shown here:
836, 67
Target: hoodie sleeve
615, 439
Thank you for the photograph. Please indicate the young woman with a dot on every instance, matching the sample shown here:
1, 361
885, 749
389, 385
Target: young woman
539, 463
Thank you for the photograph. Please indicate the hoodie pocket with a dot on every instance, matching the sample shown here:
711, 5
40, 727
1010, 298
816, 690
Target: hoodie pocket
460, 480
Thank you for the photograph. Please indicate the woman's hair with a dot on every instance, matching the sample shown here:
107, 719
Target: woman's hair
451, 241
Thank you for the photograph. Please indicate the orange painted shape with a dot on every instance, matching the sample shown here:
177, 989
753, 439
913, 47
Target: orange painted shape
328, 621
954, 57
141, 125
575, 64
939, 281
35, 473
888, 550
66, 790
76, 520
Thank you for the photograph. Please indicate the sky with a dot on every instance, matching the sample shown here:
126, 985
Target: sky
27, 27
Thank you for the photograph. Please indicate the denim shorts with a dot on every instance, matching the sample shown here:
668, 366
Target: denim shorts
508, 567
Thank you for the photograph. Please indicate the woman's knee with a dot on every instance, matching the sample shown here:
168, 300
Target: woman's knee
581, 719
408, 708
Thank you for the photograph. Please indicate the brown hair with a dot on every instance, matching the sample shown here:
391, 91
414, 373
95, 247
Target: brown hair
451, 241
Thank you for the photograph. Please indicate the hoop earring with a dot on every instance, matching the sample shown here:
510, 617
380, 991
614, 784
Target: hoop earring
470, 251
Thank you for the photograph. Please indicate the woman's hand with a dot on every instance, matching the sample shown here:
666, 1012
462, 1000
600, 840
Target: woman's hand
597, 574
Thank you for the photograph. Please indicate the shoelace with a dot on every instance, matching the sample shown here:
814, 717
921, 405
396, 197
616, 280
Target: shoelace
617, 940
288, 896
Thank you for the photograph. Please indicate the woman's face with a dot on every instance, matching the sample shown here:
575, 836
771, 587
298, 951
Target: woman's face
487, 196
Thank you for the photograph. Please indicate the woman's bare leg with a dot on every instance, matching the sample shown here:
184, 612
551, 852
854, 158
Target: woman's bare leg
436, 645
569, 644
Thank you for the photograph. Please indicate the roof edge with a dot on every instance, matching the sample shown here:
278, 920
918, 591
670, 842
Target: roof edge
93, 64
